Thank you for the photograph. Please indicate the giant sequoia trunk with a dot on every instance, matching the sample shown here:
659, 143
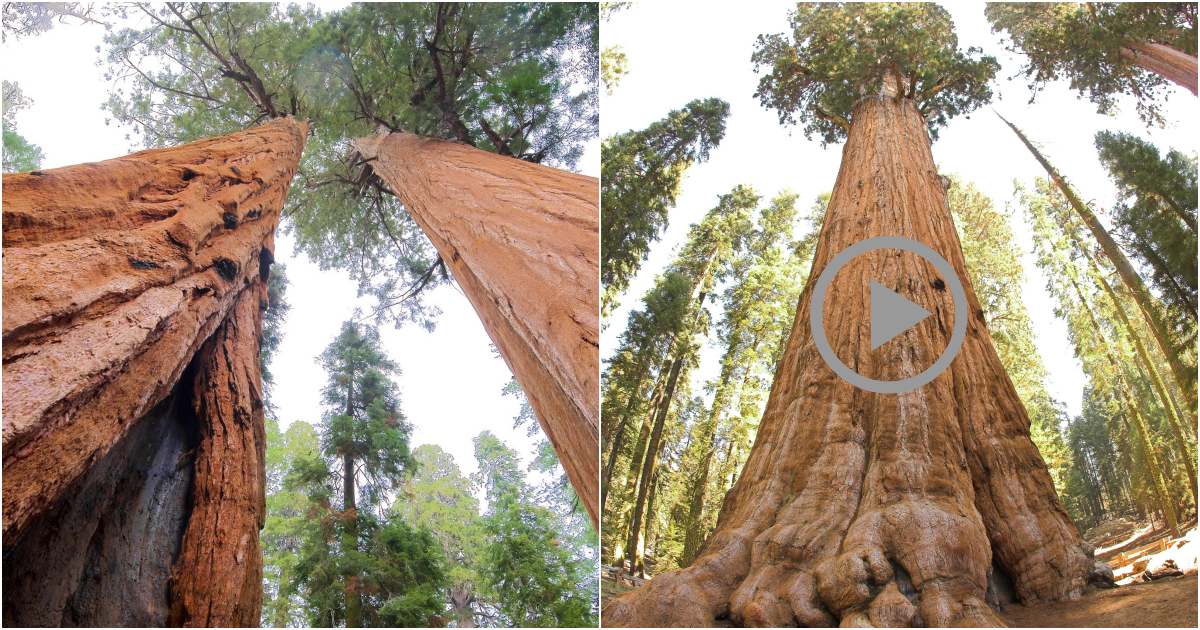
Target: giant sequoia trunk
522, 241
133, 442
887, 509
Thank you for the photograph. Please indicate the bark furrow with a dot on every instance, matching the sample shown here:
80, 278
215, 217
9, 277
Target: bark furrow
522, 241
217, 580
102, 315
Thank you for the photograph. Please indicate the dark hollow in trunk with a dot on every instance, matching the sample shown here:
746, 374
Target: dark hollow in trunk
117, 506
114, 535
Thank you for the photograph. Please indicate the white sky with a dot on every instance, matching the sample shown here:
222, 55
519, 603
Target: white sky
676, 56
451, 382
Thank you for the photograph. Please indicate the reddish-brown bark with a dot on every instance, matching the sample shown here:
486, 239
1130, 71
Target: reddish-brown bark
115, 274
883, 509
522, 241
1168, 63
217, 580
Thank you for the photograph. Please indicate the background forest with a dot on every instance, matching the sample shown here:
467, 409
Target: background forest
424, 496
1082, 250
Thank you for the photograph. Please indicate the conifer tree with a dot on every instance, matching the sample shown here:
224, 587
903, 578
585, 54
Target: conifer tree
711, 246
1173, 343
1156, 214
283, 533
381, 570
528, 570
641, 175
1058, 240
438, 497
498, 76
763, 283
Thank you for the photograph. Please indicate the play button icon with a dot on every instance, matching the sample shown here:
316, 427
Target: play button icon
891, 314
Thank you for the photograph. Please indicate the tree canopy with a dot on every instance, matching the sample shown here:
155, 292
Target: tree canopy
840, 52
1156, 215
516, 79
19, 154
1089, 44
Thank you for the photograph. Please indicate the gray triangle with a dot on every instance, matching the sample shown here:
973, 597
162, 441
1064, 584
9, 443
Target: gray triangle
891, 314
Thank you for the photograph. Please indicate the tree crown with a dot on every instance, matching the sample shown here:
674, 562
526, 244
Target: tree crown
1087, 43
840, 52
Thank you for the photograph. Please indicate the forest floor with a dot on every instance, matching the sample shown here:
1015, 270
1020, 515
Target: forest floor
1167, 603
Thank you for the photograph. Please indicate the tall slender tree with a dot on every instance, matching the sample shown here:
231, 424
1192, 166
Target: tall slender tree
1180, 356
712, 244
1045, 208
1156, 214
364, 457
641, 175
763, 284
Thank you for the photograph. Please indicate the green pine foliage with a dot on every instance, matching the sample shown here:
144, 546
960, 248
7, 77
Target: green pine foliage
840, 52
1156, 218
528, 569
283, 533
355, 564
1104, 441
514, 78
438, 497
641, 176
755, 270
19, 154
1086, 43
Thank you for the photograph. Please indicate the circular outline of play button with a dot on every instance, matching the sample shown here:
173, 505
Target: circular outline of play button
816, 317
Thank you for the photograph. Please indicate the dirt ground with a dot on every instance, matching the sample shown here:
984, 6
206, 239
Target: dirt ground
1169, 603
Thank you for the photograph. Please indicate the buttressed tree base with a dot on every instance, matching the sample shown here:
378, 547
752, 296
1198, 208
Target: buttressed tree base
133, 414
860, 509
521, 240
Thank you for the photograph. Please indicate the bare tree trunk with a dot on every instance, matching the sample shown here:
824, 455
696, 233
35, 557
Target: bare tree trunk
1152, 468
1185, 375
217, 581
1155, 379
461, 599
707, 441
619, 436
847, 494
1168, 63
632, 554
522, 241
115, 274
